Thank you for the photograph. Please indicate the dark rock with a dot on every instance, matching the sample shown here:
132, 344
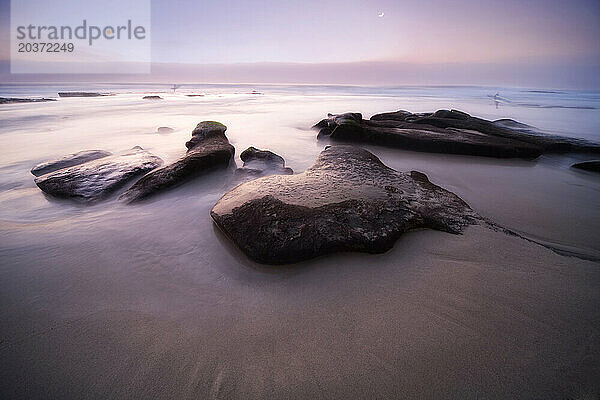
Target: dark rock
80, 94
449, 131
261, 163
152, 98
164, 130
502, 128
452, 114
208, 149
68, 161
512, 124
95, 180
194, 95
593, 166
12, 100
347, 201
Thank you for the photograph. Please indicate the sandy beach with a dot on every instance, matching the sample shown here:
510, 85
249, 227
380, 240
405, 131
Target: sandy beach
152, 301
479, 315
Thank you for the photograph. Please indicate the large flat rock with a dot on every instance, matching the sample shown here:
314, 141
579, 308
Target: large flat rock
449, 131
94, 180
208, 149
347, 201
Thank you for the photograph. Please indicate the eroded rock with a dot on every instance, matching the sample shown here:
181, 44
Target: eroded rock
449, 131
94, 180
208, 149
261, 163
347, 201
68, 161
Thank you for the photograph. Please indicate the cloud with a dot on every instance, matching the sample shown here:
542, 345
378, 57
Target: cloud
578, 74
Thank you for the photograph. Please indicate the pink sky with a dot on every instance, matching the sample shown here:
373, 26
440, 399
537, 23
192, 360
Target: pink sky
525, 43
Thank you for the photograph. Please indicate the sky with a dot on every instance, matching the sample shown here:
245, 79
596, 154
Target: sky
461, 41
344, 31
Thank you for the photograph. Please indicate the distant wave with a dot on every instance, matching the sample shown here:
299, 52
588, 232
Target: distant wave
554, 106
503, 100
544, 91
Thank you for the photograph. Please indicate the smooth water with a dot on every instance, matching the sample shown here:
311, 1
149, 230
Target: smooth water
279, 118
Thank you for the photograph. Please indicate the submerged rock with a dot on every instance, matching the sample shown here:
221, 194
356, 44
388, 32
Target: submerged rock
68, 161
260, 163
208, 149
164, 130
12, 100
449, 131
347, 201
592, 166
94, 180
80, 94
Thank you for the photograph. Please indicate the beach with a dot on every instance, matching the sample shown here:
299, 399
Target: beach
117, 300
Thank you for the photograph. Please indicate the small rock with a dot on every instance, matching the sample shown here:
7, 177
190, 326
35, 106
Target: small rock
165, 130
152, 98
261, 163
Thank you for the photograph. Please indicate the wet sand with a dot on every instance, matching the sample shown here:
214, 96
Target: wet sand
481, 315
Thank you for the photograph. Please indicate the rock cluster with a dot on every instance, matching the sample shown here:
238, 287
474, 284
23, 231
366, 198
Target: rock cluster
348, 200
448, 131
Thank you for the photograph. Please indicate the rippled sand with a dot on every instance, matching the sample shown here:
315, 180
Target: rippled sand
481, 315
